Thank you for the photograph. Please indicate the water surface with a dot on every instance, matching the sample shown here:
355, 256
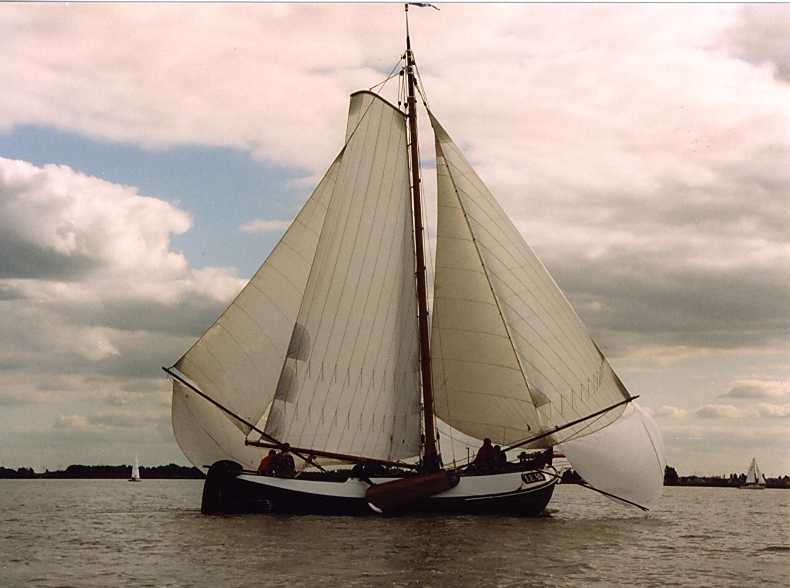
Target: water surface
112, 532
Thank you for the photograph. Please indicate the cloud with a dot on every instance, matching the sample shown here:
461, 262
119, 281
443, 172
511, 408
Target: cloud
660, 214
671, 412
728, 411
758, 389
104, 295
265, 226
760, 37
72, 421
641, 150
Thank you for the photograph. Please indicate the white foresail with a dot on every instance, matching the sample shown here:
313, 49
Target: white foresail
567, 376
350, 383
479, 387
238, 360
509, 349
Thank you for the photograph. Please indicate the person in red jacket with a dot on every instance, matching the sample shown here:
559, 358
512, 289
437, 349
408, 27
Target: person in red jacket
266, 466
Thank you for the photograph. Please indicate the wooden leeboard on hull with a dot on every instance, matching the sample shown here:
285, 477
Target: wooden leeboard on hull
392, 496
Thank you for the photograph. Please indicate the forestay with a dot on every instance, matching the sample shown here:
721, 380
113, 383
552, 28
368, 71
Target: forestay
350, 383
565, 374
238, 360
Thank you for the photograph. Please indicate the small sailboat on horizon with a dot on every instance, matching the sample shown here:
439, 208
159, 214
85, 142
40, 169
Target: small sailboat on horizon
327, 353
755, 479
135, 477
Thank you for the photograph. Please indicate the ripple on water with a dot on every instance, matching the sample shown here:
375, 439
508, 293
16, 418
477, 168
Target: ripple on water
96, 533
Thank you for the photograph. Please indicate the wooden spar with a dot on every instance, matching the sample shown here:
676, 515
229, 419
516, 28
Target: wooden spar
588, 486
172, 374
570, 424
340, 456
431, 460
275, 444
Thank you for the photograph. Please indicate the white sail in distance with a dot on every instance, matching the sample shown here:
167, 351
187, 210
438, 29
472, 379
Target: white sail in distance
351, 380
524, 355
754, 475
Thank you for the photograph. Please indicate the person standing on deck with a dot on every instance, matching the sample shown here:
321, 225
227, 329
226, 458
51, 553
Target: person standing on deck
486, 458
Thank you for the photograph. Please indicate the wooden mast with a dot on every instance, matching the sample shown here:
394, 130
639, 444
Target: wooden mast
431, 461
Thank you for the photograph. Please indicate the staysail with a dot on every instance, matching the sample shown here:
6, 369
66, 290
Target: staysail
238, 360
508, 348
350, 383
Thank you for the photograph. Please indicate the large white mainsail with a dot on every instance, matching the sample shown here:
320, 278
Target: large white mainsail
350, 383
523, 354
238, 360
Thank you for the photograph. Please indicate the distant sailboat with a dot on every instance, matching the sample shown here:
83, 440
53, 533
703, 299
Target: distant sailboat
755, 480
135, 471
328, 352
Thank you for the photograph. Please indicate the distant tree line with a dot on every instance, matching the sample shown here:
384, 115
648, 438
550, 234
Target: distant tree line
170, 471
671, 478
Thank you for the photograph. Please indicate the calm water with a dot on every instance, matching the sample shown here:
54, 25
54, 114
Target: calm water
111, 533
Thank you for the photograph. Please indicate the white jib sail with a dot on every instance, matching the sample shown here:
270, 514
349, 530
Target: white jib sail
479, 387
566, 375
238, 360
351, 380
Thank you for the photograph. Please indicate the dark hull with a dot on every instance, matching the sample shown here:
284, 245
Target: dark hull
225, 492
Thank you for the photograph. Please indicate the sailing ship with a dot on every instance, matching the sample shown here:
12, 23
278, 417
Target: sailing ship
328, 352
135, 477
755, 479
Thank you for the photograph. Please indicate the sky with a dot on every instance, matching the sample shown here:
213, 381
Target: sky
152, 155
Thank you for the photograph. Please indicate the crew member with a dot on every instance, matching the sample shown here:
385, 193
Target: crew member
266, 467
485, 461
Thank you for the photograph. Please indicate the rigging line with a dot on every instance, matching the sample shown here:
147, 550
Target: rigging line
420, 87
280, 445
570, 424
610, 495
392, 74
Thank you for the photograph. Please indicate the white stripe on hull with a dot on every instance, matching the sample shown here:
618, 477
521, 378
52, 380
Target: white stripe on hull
468, 488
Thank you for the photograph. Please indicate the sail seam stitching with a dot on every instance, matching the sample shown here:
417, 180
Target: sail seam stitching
488, 279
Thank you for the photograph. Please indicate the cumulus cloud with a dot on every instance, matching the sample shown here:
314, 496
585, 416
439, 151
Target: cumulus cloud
728, 411
265, 226
102, 291
670, 412
655, 199
758, 389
